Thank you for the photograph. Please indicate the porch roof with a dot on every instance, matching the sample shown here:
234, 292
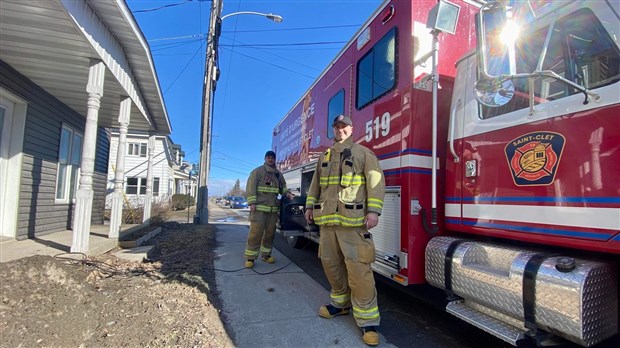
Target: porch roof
51, 42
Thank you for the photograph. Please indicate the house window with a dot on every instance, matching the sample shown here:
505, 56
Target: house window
132, 186
335, 107
69, 158
376, 71
138, 186
136, 149
155, 186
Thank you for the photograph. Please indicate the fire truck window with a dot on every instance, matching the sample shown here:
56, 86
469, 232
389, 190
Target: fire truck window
376, 71
335, 107
580, 50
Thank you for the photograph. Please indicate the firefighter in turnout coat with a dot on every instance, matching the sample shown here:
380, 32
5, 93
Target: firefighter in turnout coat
264, 186
345, 199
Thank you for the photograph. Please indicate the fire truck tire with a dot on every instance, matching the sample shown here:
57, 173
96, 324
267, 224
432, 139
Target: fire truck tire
296, 242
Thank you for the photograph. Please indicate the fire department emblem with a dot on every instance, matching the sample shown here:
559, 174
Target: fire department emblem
533, 158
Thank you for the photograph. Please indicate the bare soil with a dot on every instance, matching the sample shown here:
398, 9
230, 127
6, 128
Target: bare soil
168, 301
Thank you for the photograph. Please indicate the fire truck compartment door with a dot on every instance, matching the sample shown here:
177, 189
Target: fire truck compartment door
386, 235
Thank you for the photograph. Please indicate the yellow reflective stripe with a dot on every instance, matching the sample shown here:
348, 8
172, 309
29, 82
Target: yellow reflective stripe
251, 252
375, 203
346, 180
358, 180
268, 189
340, 299
372, 313
339, 219
265, 250
329, 180
267, 209
355, 179
310, 200
251, 199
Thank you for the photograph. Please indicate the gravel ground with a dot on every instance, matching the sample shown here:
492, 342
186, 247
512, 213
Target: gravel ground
168, 301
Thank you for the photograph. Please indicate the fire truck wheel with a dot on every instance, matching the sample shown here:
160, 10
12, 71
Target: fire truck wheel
296, 242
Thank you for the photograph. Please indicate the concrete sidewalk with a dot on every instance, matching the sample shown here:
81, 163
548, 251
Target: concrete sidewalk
273, 305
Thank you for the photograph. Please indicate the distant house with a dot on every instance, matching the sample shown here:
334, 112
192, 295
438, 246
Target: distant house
170, 173
70, 70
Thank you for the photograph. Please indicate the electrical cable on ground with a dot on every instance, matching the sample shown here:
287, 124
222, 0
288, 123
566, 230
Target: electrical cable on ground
108, 271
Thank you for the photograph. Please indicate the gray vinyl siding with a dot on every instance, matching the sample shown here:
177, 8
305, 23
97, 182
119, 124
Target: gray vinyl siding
38, 212
100, 175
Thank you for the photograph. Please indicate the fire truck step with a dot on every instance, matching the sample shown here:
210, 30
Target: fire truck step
503, 331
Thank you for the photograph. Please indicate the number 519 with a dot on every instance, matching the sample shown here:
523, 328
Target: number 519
379, 127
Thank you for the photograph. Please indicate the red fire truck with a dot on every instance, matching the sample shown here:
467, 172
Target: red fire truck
501, 155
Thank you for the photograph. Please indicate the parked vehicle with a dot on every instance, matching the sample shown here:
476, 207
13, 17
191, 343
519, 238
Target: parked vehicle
501, 160
238, 202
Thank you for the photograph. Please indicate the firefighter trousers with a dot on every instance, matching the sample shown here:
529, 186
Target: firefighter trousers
262, 231
346, 254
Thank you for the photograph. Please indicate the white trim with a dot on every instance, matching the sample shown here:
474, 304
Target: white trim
107, 47
10, 201
453, 210
405, 161
603, 218
70, 165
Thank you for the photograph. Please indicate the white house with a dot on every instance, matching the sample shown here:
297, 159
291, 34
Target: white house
170, 174
70, 70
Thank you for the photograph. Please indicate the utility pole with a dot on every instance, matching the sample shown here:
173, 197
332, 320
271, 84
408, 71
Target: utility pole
202, 212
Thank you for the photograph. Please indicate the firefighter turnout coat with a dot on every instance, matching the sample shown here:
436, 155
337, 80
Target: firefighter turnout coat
347, 184
263, 187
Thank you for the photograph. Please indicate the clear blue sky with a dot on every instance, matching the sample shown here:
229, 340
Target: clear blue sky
265, 68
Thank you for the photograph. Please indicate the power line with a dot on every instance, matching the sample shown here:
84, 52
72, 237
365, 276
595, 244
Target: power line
185, 67
289, 44
178, 37
161, 7
268, 63
250, 165
229, 170
301, 49
275, 55
254, 31
169, 46
304, 28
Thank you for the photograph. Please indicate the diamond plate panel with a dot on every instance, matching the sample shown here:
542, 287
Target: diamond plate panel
580, 305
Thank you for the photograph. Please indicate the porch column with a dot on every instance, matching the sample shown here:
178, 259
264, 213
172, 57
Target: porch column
116, 214
148, 199
84, 195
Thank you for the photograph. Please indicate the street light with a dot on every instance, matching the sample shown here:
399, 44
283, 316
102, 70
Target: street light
273, 17
211, 75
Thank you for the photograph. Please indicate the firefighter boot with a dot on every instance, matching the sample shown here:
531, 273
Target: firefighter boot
370, 336
268, 258
329, 311
249, 263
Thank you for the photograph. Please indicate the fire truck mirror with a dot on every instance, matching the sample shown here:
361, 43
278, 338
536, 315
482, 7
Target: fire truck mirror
496, 32
494, 92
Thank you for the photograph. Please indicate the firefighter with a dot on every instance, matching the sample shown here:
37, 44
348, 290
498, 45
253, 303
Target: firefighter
345, 199
264, 187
